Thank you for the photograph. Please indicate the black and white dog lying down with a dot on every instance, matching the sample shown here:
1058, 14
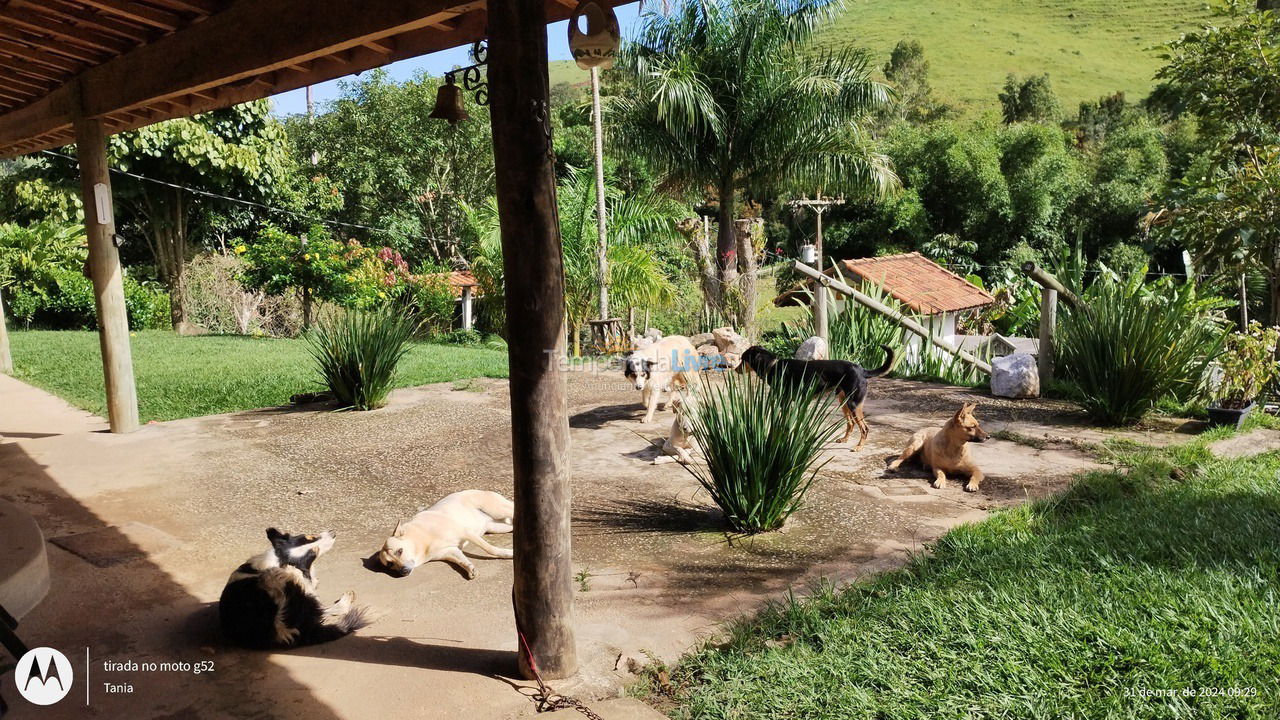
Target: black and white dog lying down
270, 600
847, 380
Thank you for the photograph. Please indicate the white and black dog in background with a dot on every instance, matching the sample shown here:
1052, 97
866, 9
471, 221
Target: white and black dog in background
270, 600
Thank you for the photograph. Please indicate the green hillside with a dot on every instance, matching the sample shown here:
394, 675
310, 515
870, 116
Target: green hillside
1088, 47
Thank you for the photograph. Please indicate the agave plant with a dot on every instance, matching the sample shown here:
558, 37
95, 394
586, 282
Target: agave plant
1138, 343
762, 444
356, 354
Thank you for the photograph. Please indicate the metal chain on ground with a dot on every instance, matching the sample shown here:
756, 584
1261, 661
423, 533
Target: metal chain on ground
547, 699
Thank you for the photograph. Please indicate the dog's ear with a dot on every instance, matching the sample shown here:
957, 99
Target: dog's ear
969, 408
399, 529
274, 535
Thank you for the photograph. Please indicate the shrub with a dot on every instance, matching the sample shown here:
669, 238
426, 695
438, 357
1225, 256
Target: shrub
1137, 344
1248, 364
461, 337
215, 299
148, 305
434, 302
761, 442
357, 351
68, 303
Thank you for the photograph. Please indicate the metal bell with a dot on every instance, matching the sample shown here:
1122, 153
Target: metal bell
449, 103
597, 46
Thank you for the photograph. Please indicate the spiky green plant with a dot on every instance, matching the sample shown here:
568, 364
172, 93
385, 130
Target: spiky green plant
356, 354
762, 443
1137, 344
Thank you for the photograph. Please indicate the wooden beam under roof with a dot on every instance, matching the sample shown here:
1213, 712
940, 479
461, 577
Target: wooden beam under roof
248, 51
139, 13
62, 30
93, 20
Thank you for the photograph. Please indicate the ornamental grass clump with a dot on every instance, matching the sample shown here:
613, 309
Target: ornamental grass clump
356, 354
1137, 344
761, 443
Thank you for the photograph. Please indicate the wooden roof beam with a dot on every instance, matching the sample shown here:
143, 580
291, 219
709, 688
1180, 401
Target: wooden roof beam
250, 39
62, 30
49, 53
30, 68
201, 7
96, 21
146, 15
20, 81
16, 43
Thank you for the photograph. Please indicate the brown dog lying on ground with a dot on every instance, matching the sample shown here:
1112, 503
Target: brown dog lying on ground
945, 450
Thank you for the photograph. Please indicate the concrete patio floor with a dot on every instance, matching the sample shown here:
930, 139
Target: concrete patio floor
143, 530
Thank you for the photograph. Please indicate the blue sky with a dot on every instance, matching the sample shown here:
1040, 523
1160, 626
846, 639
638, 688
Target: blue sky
295, 101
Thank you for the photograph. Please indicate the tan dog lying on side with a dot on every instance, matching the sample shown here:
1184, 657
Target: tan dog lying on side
442, 530
945, 450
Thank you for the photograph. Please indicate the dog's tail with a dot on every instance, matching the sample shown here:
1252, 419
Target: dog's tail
352, 620
887, 367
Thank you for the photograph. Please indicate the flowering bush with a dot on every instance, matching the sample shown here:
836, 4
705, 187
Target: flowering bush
1248, 363
320, 267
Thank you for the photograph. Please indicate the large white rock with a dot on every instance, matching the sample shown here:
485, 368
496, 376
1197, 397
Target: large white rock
729, 341
815, 348
701, 339
1015, 376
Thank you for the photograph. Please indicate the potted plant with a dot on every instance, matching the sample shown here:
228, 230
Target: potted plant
1248, 363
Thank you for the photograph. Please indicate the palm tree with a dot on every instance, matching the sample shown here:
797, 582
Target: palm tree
637, 223
734, 97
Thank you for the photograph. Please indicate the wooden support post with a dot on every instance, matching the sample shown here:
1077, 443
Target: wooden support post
466, 307
894, 315
523, 166
6, 358
108, 279
820, 313
1045, 359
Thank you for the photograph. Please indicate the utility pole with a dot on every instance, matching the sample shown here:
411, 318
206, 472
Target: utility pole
601, 230
1244, 302
819, 206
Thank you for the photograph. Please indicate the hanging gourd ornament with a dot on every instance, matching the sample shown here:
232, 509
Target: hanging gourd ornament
597, 46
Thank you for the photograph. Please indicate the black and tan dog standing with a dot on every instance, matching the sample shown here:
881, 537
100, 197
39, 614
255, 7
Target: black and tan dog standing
846, 379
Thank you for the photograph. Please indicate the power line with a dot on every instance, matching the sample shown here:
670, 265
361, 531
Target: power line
250, 203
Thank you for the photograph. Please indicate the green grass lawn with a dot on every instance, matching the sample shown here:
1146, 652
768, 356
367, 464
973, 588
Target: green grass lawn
1088, 47
1097, 604
188, 376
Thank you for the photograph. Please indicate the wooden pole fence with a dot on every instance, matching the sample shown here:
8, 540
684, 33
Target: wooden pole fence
894, 315
1047, 280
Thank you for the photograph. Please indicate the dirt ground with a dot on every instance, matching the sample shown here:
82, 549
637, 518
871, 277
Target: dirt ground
143, 530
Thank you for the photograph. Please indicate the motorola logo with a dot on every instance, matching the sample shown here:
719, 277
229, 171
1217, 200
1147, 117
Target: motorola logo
43, 676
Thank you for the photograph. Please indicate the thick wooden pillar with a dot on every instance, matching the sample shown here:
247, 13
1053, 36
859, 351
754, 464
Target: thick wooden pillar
6, 358
543, 590
108, 280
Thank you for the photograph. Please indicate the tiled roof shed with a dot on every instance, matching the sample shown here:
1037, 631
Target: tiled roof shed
458, 279
914, 280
